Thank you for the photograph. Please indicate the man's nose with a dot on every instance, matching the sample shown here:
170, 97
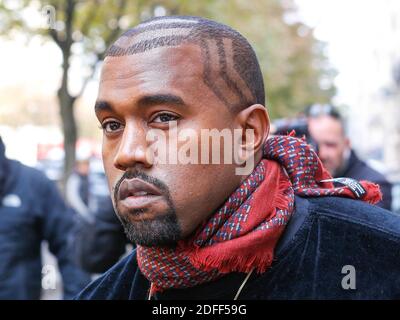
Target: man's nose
133, 149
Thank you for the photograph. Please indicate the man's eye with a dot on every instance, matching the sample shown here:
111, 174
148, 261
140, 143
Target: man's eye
111, 126
165, 117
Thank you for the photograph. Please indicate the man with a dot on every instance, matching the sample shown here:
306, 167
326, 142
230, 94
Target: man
31, 210
334, 149
77, 187
202, 230
99, 239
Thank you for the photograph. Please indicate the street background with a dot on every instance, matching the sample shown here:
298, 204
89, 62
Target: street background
344, 52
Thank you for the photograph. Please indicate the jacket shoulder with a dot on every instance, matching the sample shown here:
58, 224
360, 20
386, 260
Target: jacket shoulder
27, 175
115, 284
358, 212
360, 170
372, 174
34, 175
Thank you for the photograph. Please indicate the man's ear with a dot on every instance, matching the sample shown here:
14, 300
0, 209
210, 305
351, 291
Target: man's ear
256, 119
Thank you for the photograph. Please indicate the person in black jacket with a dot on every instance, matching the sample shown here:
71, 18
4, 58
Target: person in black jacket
326, 127
99, 240
264, 220
31, 211
77, 187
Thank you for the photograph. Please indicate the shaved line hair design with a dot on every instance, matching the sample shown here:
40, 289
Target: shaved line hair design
231, 68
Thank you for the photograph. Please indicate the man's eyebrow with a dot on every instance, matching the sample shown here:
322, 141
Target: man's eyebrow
102, 105
154, 99
145, 101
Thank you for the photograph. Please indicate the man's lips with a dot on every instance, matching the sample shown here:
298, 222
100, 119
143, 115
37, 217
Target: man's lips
137, 194
137, 188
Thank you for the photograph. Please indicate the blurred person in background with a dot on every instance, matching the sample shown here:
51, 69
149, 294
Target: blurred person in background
31, 211
296, 126
99, 238
326, 128
77, 188
100, 241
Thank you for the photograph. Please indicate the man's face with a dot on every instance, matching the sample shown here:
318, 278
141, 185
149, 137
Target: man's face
332, 143
160, 203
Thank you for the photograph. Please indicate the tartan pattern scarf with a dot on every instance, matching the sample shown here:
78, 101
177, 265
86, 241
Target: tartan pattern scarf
242, 234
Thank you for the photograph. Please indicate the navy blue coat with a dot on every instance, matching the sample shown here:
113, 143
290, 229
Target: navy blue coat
323, 238
32, 210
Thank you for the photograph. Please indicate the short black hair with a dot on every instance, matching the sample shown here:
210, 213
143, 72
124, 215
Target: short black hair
316, 110
237, 62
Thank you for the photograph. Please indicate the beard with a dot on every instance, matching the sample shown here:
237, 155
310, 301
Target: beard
162, 231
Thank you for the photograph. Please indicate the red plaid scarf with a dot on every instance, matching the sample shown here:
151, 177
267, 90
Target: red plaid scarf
243, 233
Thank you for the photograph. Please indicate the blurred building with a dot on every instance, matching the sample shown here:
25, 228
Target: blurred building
375, 114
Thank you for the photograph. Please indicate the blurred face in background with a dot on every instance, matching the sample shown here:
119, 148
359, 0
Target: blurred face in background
82, 167
333, 145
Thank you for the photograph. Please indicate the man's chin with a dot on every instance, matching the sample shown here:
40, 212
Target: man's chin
160, 231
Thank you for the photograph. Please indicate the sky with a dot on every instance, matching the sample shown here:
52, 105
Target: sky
356, 32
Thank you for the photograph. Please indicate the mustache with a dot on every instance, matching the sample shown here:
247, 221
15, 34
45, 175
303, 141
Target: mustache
145, 177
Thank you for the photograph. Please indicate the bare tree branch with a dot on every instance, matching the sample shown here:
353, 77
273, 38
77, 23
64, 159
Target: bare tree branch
54, 35
87, 79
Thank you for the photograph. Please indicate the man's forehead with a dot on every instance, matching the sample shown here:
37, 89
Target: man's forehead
326, 123
326, 128
184, 59
177, 71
